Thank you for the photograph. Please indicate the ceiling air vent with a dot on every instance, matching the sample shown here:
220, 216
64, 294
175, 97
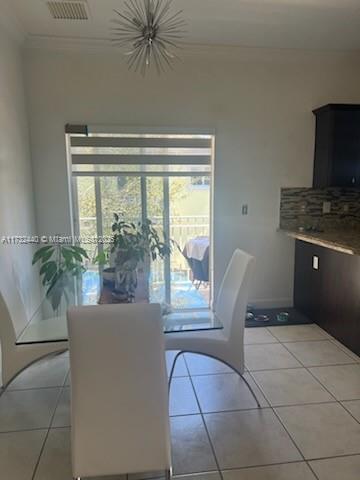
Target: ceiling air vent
68, 10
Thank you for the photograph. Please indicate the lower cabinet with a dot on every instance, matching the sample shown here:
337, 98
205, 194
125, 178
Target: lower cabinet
327, 291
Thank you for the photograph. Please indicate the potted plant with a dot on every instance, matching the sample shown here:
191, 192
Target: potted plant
59, 265
133, 244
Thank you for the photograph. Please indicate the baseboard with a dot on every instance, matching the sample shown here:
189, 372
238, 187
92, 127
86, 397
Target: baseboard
272, 303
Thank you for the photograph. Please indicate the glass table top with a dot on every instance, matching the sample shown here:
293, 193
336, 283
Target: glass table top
47, 325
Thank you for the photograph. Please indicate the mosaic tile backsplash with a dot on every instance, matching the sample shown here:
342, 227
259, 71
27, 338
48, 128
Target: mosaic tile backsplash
303, 207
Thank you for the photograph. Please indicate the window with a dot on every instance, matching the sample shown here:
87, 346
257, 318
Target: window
162, 176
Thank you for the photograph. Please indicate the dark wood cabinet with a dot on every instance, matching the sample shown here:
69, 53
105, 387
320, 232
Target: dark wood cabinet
329, 295
337, 146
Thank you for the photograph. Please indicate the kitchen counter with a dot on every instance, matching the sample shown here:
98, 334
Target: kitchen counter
345, 241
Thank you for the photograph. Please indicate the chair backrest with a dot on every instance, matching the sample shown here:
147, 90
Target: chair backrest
233, 294
119, 394
13, 316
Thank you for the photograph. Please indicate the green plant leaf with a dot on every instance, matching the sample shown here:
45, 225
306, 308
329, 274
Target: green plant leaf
39, 254
80, 250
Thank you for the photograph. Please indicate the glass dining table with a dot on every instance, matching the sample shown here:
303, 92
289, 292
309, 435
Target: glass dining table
47, 325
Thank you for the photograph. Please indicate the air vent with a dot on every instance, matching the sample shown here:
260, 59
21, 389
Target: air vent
68, 10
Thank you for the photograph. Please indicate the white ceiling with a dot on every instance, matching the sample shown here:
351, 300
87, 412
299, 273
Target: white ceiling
315, 24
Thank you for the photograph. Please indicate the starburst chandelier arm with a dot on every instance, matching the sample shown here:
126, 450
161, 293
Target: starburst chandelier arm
164, 8
130, 22
164, 54
133, 57
168, 42
173, 18
150, 30
134, 9
158, 64
157, 9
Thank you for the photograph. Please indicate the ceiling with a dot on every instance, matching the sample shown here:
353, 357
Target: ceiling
309, 24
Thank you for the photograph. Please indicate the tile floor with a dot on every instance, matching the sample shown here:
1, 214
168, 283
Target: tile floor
309, 427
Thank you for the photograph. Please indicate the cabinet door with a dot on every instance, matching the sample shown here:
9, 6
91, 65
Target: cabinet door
308, 288
345, 164
330, 294
324, 148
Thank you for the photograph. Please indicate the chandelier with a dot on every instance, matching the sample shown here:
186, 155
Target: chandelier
150, 32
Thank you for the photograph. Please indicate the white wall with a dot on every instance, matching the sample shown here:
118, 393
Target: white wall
17, 215
259, 102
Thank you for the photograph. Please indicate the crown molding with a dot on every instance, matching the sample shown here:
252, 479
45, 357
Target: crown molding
188, 50
10, 23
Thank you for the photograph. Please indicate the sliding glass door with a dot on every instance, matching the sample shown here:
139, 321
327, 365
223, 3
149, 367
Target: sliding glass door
174, 193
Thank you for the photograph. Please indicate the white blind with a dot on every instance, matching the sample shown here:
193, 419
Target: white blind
141, 149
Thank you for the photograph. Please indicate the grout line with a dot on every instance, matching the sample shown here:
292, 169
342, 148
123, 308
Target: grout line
46, 436
348, 411
275, 413
204, 423
5, 432
312, 470
52, 387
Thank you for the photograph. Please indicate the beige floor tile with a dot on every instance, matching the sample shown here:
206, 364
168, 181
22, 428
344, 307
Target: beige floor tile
182, 397
295, 333
49, 372
288, 471
249, 438
314, 354
202, 365
191, 449
269, 357
345, 468
323, 430
180, 368
218, 393
354, 408
291, 387
19, 453
55, 461
253, 336
27, 409
343, 381
62, 412
200, 476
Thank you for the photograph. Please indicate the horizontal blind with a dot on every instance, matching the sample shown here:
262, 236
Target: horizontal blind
141, 149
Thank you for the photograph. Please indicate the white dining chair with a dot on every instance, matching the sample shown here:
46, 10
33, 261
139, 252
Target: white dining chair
119, 395
13, 319
226, 344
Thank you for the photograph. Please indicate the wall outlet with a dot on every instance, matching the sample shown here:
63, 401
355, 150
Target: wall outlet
245, 209
326, 207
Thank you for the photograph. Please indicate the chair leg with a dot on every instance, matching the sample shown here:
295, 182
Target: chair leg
251, 390
222, 361
173, 367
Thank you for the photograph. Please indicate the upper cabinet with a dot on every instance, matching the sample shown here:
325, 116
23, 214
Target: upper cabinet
337, 146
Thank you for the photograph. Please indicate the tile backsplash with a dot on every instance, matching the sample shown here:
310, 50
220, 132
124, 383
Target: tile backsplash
303, 207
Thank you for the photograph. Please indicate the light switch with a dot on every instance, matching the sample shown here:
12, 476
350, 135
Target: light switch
245, 209
315, 262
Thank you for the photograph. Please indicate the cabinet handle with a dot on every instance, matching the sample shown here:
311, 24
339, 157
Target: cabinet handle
353, 180
315, 262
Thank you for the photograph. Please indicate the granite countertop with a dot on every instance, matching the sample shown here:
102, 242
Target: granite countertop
345, 241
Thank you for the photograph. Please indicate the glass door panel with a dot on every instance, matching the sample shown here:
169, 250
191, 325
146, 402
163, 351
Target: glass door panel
121, 195
87, 229
155, 212
189, 217
178, 206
